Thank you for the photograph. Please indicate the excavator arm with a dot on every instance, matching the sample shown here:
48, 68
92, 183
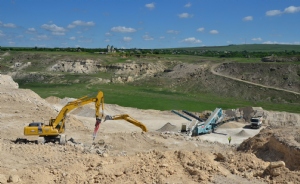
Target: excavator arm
129, 119
59, 121
57, 125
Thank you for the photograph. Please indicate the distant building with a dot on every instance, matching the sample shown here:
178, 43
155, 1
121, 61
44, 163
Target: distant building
110, 48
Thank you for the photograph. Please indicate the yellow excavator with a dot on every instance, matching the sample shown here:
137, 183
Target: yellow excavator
127, 118
54, 131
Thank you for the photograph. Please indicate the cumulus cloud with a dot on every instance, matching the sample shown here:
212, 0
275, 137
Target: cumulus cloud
290, 9
273, 12
191, 40
188, 5
201, 29
127, 39
172, 32
248, 18
72, 38
284, 43
256, 39
123, 29
214, 32
185, 15
10, 25
147, 38
54, 29
80, 23
31, 30
150, 6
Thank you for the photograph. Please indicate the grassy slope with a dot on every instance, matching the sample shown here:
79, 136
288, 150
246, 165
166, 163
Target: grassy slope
149, 98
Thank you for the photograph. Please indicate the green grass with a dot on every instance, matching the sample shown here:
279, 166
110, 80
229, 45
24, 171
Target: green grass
148, 98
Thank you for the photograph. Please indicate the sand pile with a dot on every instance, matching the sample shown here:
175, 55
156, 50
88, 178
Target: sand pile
168, 127
231, 125
53, 99
242, 133
7, 82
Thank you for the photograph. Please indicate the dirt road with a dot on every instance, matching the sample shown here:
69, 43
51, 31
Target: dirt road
214, 66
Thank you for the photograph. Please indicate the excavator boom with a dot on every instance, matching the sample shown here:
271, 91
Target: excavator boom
129, 119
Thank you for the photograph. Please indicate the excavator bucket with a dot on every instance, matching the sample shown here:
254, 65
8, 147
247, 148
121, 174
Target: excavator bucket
97, 125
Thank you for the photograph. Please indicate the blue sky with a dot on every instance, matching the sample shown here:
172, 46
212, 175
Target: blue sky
147, 24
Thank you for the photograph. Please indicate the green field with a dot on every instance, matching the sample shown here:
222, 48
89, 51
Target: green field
149, 98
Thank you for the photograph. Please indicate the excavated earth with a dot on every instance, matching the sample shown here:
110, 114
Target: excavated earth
122, 153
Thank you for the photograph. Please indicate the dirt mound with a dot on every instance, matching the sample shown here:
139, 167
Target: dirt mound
168, 127
6, 81
231, 125
275, 144
183, 70
53, 99
242, 133
282, 119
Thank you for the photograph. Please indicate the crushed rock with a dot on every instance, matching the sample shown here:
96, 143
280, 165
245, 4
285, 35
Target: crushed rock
168, 127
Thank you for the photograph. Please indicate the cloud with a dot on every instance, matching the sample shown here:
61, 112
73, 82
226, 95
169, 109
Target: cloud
292, 9
161, 37
214, 32
72, 38
150, 6
283, 43
191, 40
273, 12
54, 29
248, 18
80, 23
10, 25
123, 29
256, 39
172, 32
127, 39
108, 34
185, 15
188, 5
107, 40
201, 29
31, 29
147, 38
